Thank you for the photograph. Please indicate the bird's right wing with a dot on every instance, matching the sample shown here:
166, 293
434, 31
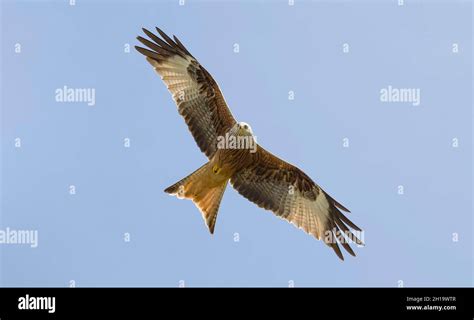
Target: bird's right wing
195, 92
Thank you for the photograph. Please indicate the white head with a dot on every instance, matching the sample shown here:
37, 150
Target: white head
240, 136
244, 129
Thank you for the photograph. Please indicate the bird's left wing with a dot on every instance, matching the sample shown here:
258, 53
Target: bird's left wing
276, 185
195, 92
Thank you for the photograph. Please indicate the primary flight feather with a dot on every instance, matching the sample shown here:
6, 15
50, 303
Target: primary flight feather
255, 173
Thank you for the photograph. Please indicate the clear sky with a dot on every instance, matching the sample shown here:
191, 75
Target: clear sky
403, 168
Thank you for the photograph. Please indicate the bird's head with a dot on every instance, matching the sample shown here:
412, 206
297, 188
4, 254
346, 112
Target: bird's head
243, 129
240, 136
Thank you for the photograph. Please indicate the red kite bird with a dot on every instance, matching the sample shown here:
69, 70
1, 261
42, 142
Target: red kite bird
234, 155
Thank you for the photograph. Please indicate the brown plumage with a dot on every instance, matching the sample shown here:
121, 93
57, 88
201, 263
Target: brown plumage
195, 92
255, 173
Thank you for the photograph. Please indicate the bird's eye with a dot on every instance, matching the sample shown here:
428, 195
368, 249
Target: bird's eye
246, 126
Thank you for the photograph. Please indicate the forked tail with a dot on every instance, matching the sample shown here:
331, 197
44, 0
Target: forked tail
205, 194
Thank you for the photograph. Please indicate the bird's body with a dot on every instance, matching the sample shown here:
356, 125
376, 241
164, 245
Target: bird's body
206, 185
235, 157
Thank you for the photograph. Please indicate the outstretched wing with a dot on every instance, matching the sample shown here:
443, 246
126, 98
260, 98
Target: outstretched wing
278, 186
195, 92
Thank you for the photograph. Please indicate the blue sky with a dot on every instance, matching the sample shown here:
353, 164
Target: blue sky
425, 46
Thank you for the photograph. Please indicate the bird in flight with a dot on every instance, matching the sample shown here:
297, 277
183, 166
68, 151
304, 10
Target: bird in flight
234, 155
